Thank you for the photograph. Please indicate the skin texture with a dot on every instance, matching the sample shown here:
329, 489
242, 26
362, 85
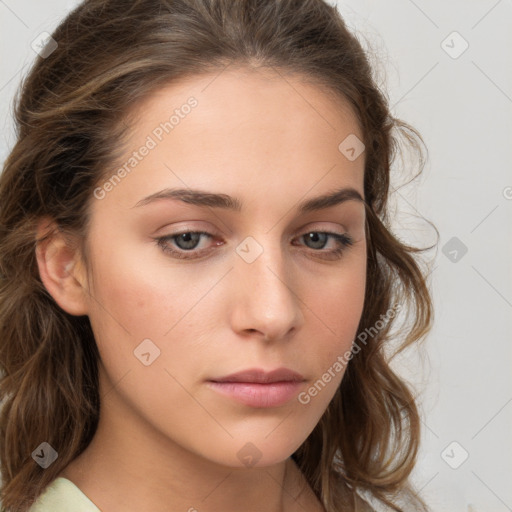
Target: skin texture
165, 440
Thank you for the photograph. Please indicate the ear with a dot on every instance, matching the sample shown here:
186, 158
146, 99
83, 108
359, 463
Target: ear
61, 269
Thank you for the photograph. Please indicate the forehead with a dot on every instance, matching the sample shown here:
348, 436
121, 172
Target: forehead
239, 92
240, 128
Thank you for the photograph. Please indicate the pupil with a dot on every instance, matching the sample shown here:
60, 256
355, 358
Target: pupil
317, 237
189, 239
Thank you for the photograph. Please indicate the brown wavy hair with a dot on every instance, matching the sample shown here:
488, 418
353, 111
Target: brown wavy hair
71, 115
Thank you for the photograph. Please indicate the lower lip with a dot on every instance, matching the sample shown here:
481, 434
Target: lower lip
272, 394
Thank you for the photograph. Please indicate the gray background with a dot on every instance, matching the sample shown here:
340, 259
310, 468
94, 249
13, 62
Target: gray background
462, 105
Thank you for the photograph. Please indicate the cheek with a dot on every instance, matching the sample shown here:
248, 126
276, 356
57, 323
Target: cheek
135, 301
130, 303
145, 327
333, 320
335, 309
139, 297
338, 300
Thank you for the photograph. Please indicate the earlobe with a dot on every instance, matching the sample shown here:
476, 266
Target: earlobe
60, 269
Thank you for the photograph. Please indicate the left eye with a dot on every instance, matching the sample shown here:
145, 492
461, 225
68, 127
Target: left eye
187, 241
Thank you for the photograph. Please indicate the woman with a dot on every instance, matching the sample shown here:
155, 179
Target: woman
198, 275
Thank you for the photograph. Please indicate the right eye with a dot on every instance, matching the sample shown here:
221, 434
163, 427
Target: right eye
185, 241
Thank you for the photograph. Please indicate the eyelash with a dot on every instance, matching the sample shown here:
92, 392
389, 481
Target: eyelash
345, 241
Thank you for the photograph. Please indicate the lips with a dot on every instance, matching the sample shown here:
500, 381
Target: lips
258, 376
259, 389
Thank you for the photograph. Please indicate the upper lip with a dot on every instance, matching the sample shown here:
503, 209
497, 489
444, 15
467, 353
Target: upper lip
261, 376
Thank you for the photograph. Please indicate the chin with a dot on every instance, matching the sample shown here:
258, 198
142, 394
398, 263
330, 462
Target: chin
256, 453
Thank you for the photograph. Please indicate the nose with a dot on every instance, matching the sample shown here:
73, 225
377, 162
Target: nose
264, 299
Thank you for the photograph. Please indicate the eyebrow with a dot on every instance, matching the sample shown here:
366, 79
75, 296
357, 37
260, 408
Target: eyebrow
226, 202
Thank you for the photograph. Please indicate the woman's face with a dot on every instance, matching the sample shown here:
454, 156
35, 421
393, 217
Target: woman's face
262, 288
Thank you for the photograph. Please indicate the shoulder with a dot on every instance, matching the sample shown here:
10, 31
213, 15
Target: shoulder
63, 495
